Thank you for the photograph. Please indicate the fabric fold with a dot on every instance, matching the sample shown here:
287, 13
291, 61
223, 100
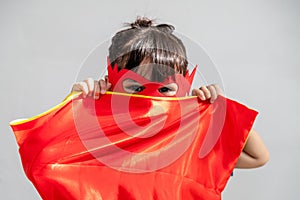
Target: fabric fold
133, 147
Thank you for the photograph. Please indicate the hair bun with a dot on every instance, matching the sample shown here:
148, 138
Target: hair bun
144, 22
165, 28
141, 22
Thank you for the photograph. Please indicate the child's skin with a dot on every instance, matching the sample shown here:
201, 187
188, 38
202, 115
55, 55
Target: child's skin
254, 154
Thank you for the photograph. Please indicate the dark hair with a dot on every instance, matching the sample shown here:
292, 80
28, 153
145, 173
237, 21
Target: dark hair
143, 40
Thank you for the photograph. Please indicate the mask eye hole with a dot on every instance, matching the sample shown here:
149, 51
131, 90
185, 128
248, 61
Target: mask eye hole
137, 88
164, 89
169, 89
132, 86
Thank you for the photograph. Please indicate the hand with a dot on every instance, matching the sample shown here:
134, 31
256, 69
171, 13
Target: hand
210, 92
90, 87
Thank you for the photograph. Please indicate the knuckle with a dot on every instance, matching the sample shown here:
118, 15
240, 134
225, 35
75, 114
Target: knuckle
82, 84
90, 79
102, 83
196, 91
203, 88
96, 82
211, 87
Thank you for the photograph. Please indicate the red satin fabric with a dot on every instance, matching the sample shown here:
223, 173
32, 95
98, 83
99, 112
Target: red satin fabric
153, 149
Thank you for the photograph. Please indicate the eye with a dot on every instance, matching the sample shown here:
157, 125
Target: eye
164, 89
169, 90
135, 88
131, 86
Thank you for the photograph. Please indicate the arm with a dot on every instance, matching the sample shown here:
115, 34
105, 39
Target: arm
254, 154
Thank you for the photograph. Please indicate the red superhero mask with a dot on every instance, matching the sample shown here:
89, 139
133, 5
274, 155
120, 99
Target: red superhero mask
117, 77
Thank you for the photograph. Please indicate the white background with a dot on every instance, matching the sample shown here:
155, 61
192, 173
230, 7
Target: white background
255, 46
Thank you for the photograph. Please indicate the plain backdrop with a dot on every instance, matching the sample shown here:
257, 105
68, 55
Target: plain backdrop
254, 46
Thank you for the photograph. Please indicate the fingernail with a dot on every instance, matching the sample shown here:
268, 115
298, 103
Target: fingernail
102, 91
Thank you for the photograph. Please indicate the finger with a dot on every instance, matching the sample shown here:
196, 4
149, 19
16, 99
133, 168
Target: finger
81, 87
218, 89
102, 86
75, 87
213, 93
108, 84
206, 92
91, 86
199, 93
96, 90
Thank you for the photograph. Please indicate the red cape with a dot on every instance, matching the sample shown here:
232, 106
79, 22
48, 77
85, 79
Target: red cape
133, 147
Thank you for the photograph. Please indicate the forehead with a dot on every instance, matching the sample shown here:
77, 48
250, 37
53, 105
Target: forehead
154, 72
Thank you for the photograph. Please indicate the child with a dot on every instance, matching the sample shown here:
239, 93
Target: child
147, 50
106, 149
